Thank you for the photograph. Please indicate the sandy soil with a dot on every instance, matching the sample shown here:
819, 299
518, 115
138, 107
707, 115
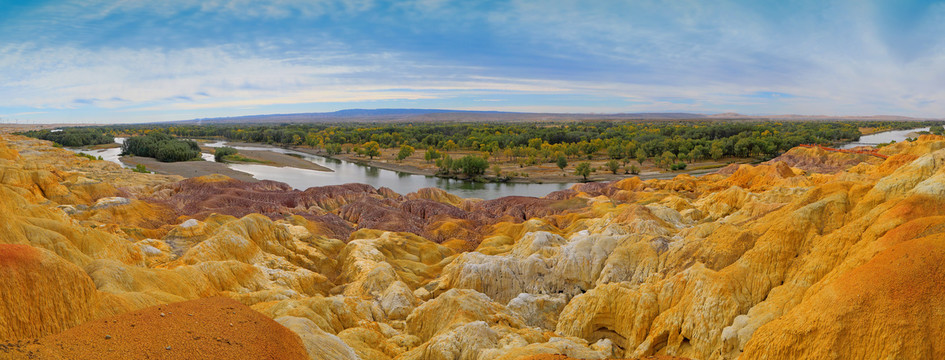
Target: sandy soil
187, 169
210, 328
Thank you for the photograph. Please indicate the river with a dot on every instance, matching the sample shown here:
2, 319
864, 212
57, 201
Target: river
882, 138
403, 183
345, 172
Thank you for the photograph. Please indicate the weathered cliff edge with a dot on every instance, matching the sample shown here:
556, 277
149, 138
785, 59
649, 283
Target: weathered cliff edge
767, 261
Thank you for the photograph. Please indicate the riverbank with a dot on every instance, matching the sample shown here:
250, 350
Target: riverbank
274, 159
187, 169
545, 174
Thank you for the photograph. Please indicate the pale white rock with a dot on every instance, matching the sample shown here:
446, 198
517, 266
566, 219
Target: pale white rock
318, 343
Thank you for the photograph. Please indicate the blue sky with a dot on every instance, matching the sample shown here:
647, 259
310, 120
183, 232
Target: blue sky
134, 61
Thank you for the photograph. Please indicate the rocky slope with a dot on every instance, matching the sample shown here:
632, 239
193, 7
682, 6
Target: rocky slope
768, 261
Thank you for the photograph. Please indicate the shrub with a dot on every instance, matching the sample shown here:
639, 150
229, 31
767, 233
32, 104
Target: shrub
222, 152
141, 169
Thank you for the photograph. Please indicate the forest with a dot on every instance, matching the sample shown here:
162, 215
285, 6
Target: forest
544, 142
161, 146
73, 137
467, 149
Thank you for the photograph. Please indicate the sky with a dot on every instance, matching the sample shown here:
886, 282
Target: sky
121, 61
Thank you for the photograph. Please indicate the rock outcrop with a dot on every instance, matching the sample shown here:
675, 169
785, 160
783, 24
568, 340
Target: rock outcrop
808, 256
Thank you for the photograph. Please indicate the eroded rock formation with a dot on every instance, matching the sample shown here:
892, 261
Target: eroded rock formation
807, 256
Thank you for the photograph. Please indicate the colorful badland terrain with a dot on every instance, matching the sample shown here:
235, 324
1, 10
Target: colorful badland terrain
812, 255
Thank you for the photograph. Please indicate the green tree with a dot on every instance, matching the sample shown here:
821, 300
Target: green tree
613, 166
222, 152
497, 170
472, 165
333, 149
716, 152
562, 162
616, 152
640, 155
634, 170
372, 149
431, 155
667, 158
583, 169
405, 152
445, 165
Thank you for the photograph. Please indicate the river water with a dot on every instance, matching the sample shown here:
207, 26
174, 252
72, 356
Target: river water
882, 138
403, 183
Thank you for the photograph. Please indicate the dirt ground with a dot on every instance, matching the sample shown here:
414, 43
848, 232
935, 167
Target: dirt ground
210, 328
186, 169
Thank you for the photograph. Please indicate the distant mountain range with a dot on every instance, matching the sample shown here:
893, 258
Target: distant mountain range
423, 115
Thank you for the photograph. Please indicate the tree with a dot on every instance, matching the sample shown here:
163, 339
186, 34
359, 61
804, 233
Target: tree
937, 130
583, 169
668, 158
716, 152
472, 165
333, 149
445, 165
372, 149
562, 162
634, 170
221, 152
405, 152
497, 170
431, 155
641, 156
613, 166
616, 152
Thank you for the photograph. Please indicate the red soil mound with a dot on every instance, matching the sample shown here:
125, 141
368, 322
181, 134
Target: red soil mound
211, 328
341, 209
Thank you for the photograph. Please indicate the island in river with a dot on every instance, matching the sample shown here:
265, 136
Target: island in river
197, 168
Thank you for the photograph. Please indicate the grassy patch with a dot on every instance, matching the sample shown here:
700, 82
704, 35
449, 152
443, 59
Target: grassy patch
88, 156
241, 158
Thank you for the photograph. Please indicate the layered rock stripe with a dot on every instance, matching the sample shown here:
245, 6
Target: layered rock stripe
815, 254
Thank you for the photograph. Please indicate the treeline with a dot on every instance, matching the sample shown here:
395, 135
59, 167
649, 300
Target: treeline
535, 143
73, 137
162, 147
